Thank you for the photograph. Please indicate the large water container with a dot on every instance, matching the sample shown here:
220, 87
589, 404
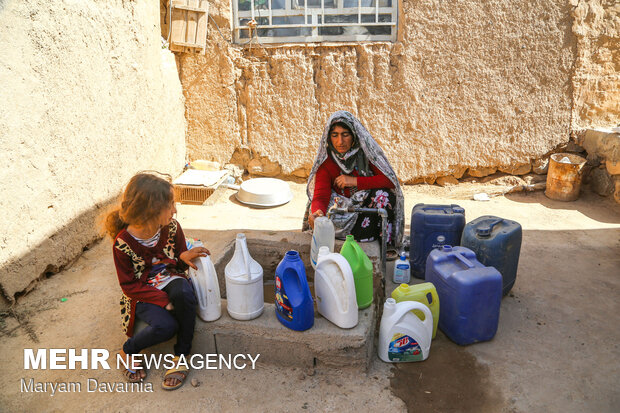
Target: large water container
334, 287
294, 305
244, 283
433, 226
497, 243
470, 294
362, 271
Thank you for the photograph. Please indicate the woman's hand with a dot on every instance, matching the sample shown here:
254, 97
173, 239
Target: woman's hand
189, 255
312, 217
169, 307
345, 181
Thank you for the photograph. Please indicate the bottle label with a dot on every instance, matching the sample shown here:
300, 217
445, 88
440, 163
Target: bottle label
439, 242
402, 273
404, 348
283, 306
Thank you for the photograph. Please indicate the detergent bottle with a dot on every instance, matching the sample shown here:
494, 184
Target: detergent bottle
294, 305
206, 287
323, 235
334, 288
402, 335
424, 293
362, 271
402, 270
244, 283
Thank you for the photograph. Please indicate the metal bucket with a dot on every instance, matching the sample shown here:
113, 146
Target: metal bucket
564, 179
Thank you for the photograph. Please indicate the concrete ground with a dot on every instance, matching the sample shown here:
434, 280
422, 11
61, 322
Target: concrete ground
556, 349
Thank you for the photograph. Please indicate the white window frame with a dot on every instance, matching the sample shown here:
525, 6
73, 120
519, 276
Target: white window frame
311, 20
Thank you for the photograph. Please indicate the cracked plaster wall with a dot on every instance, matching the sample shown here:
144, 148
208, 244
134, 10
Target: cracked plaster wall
469, 84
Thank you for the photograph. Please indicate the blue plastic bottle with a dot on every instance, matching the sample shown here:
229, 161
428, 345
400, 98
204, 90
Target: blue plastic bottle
431, 227
470, 294
497, 243
294, 305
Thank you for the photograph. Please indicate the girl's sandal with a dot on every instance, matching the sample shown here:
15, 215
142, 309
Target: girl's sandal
179, 372
133, 376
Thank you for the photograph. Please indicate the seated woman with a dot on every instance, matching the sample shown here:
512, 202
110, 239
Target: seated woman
351, 165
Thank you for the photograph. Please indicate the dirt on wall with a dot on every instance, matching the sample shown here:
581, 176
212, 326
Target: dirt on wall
88, 98
468, 85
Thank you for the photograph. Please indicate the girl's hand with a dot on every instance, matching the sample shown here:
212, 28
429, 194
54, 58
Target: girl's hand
189, 255
345, 181
312, 217
169, 307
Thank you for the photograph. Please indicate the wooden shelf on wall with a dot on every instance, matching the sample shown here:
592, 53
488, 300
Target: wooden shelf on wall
188, 33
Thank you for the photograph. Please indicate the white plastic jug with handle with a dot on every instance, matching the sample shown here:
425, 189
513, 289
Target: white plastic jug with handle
334, 288
402, 335
323, 235
244, 283
207, 288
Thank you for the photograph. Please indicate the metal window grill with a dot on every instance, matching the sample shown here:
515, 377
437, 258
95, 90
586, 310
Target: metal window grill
283, 21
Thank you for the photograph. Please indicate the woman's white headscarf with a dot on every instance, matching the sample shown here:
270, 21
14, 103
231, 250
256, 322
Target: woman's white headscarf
373, 153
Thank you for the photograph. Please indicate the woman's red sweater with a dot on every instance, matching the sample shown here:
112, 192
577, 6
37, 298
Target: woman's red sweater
327, 174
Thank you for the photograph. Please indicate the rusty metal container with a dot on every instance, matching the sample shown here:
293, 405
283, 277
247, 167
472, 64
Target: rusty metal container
564, 179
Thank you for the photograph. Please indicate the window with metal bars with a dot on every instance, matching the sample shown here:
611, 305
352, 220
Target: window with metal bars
302, 21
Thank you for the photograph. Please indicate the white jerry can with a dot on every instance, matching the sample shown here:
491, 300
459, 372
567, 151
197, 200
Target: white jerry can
334, 289
402, 335
207, 289
244, 283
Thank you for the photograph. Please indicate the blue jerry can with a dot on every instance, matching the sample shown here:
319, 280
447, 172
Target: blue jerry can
497, 243
470, 294
433, 226
294, 305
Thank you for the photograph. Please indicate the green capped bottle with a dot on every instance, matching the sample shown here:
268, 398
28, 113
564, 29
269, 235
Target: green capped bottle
362, 271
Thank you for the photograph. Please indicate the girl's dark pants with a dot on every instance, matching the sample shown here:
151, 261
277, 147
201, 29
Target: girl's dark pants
164, 324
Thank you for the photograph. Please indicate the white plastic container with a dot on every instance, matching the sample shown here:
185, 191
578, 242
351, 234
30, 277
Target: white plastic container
402, 270
334, 289
322, 236
244, 283
207, 288
402, 335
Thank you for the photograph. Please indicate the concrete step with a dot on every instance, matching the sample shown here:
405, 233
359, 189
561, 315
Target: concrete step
322, 345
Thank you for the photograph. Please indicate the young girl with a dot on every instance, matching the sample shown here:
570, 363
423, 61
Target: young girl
151, 258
